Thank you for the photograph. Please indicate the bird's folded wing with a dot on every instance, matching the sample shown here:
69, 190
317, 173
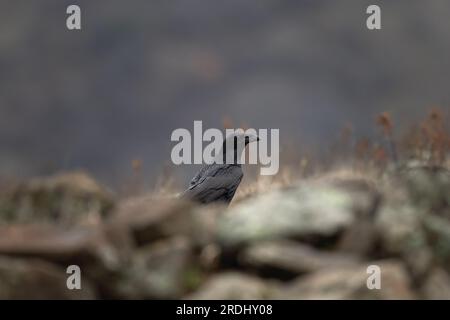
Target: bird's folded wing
197, 177
214, 188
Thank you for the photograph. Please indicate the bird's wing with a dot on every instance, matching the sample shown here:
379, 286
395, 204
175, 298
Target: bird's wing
198, 176
219, 183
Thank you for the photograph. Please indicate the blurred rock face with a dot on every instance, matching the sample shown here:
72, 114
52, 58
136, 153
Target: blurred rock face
313, 210
37, 279
312, 240
64, 198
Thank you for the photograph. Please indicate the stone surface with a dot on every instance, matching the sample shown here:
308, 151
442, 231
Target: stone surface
307, 209
162, 270
437, 285
151, 219
351, 283
293, 257
88, 247
413, 220
63, 198
37, 279
429, 186
437, 231
234, 285
313, 240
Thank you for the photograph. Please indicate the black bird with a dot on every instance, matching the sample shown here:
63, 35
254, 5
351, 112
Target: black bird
218, 182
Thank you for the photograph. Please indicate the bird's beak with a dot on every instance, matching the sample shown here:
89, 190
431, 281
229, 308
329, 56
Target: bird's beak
252, 138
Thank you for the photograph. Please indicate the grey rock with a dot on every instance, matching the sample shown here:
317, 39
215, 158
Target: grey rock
437, 230
437, 285
429, 186
162, 270
234, 285
351, 283
319, 208
63, 198
38, 279
150, 219
293, 257
413, 221
89, 247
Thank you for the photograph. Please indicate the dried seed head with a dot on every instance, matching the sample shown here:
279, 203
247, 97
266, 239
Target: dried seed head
385, 122
227, 123
136, 164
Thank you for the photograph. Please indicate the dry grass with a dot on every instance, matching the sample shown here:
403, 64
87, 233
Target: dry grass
428, 142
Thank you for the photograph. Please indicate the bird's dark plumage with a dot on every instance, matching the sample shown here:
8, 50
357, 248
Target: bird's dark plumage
215, 182
218, 182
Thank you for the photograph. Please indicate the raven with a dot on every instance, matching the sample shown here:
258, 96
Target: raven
218, 182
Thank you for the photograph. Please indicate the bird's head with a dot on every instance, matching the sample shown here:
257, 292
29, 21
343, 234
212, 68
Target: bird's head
234, 145
250, 138
239, 140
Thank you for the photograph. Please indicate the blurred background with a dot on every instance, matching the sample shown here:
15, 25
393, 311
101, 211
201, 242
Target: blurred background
111, 94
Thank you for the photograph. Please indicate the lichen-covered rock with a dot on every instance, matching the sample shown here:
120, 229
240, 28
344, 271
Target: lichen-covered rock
234, 285
313, 240
151, 219
437, 230
292, 257
399, 222
38, 279
413, 221
63, 198
429, 186
351, 283
93, 249
437, 285
163, 270
308, 209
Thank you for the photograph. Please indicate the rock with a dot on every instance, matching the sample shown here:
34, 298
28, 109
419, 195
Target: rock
360, 238
351, 283
152, 219
437, 231
429, 186
413, 221
64, 198
437, 285
90, 248
37, 279
418, 262
307, 241
399, 226
210, 256
292, 257
400, 229
234, 286
308, 209
163, 270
